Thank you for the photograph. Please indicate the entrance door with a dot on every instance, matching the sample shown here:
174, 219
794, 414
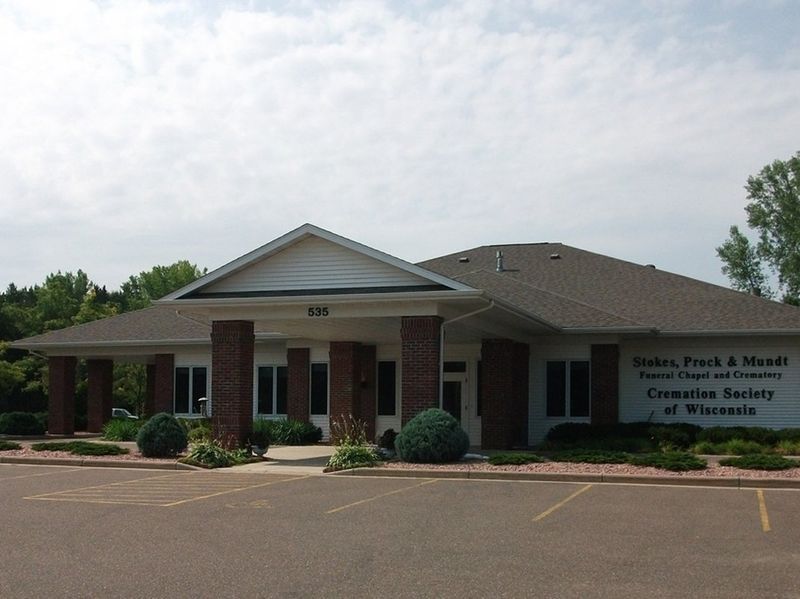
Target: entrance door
454, 396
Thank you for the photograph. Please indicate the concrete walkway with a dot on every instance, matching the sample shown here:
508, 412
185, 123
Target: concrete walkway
304, 459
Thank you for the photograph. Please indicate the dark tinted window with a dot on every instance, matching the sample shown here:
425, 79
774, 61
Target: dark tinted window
319, 389
182, 390
283, 378
198, 387
454, 367
578, 389
556, 388
265, 390
387, 388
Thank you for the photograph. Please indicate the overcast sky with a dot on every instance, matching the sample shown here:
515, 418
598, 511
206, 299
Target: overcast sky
134, 134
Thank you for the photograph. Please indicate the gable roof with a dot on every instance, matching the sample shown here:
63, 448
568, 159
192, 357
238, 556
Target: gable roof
578, 289
312, 261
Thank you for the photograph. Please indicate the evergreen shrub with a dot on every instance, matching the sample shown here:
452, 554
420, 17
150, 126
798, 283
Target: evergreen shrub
161, 436
677, 461
514, 459
9, 445
432, 436
760, 461
20, 423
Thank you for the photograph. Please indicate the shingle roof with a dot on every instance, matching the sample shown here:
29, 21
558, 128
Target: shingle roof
580, 288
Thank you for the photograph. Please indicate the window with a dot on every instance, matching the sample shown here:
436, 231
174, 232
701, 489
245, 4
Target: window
454, 367
319, 389
191, 383
272, 390
568, 379
387, 388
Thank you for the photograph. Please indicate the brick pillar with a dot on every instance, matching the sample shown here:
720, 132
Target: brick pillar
150, 391
420, 354
498, 412
232, 349
345, 373
298, 360
61, 403
605, 384
521, 393
367, 408
101, 384
164, 384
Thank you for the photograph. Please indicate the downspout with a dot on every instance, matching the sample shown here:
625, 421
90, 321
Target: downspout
489, 306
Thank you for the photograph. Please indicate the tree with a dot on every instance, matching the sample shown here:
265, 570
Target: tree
140, 290
773, 212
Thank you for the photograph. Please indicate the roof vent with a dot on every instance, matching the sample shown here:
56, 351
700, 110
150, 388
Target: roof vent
464, 259
653, 266
555, 256
499, 266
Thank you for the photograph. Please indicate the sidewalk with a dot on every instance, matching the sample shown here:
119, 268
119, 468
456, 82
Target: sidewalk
288, 459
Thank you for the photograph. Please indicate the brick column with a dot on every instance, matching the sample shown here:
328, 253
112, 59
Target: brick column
521, 393
101, 383
345, 373
61, 402
164, 384
367, 408
150, 391
605, 384
232, 349
498, 392
298, 360
420, 354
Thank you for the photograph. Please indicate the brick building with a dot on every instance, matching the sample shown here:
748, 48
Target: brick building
510, 339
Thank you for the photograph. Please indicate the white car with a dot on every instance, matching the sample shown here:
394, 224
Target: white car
122, 413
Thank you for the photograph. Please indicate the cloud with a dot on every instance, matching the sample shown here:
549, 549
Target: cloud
133, 133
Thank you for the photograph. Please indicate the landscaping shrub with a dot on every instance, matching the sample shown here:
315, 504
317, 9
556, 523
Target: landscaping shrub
20, 423
43, 419
210, 454
789, 434
161, 436
387, 439
80, 448
760, 461
787, 447
678, 435
348, 431
623, 436
432, 436
199, 433
121, 429
190, 424
742, 447
262, 433
9, 445
592, 456
723, 434
294, 432
352, 456
677, 461
515, 459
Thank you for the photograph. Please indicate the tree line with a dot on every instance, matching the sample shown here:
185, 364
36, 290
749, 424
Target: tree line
66, 299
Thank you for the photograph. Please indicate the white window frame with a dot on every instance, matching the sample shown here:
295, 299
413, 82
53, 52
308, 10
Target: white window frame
275, 415
207, 393
568, 388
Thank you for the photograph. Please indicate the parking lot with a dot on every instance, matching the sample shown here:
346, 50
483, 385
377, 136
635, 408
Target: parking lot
84, 532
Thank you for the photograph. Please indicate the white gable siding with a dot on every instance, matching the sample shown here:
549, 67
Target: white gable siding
315, 263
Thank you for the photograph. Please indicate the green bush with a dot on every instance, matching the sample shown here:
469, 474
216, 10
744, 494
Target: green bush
161, 436
678, 435
352, 456
199, 433
190, 424
723, 434
592, 456
677, 461
80, 448
348, 430
742, 447
210, 454
20, 423
121, 429
294, 432
514, 459
432, 436
9, 445
387, 439
623, 436
787, 447
262, 433
760, 461
789, 434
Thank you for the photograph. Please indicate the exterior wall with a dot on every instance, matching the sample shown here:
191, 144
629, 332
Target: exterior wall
164, 386
299, 373
605, 383
497, 356
771, 401
61, 403
315, 263
367, 398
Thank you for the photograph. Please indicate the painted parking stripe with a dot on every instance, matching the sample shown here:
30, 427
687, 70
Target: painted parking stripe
561, 503
368, 499
59, 471
762, 511
163, 491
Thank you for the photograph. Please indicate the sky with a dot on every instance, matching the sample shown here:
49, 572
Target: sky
138, 133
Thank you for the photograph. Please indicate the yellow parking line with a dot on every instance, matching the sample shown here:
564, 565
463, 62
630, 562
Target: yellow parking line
284, 480
355, 503
549, 511
123, 482
106, 501
40, 474
762, 510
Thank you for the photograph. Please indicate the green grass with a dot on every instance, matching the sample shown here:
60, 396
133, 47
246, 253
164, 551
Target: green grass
515, 459
760, 461
80, 448
9, 445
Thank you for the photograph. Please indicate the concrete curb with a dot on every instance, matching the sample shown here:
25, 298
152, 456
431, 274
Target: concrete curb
96, 463
623, 479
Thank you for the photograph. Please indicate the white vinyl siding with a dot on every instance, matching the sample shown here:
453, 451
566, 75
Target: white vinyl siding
315, 263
